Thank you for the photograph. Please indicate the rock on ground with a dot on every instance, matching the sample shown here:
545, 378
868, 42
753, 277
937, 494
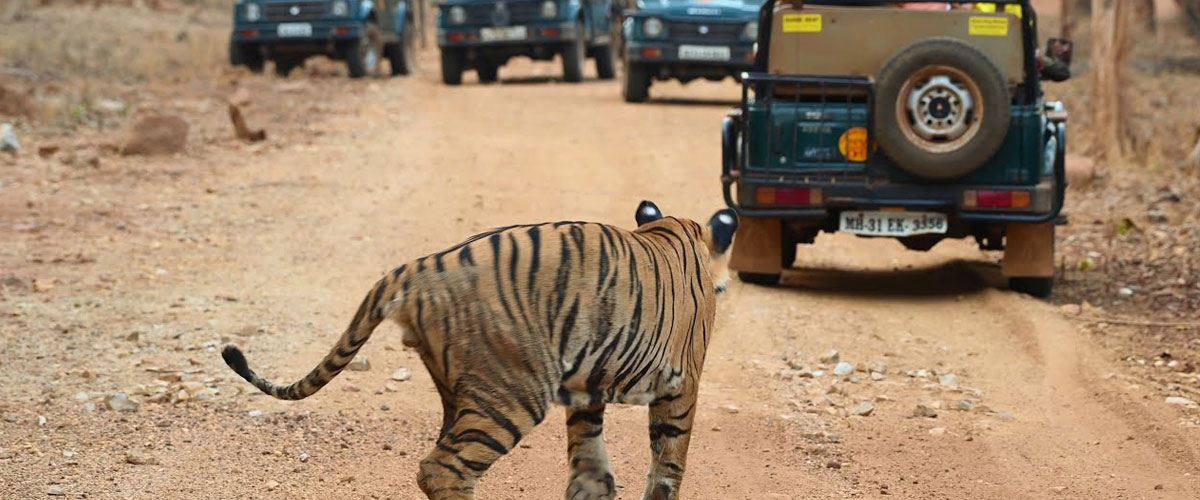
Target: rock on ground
948, 380
121, 402
831, 357
843, 368
359, 364
862, 409
135, 458
402, 374
156, 135
924, 410
8, 139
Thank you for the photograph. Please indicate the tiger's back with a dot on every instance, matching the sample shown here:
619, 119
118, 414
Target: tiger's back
577, 313
567, 300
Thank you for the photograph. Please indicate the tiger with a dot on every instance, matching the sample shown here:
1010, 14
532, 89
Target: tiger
575, 313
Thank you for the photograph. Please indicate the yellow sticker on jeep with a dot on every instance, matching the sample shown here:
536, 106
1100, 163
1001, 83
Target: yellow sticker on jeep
988, 26
853, 144
801, 23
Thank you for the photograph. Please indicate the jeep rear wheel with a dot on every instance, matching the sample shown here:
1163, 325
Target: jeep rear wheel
487, 71
452, 67
247, 55
635, 82
941, 108
285, 64
759, 278
574, 55
1036, 287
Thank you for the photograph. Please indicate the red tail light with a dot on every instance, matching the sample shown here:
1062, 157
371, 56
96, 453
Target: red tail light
341, 30
648, 52
550, 32
788, 196
249, 33
456, 37
985, 198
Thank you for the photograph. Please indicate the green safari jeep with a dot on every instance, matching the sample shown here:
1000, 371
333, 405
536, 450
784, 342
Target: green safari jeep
362, 33
912, 124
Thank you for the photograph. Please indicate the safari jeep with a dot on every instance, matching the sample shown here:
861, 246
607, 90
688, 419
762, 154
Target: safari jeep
484, 34
360, 32
908, 124
685, 40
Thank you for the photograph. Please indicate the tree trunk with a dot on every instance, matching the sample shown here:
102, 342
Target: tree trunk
1143, 12
1110, 55
1191, 13
1070, 14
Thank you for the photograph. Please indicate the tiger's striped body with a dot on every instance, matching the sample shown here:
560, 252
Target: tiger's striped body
579, 314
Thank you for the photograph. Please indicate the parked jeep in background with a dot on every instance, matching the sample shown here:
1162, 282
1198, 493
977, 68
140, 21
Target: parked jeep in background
935, 129
360, 32
484, 34
685, 40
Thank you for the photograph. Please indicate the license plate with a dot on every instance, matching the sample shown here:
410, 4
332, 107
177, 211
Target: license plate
873, 223
704, 53
294, 29
503, 34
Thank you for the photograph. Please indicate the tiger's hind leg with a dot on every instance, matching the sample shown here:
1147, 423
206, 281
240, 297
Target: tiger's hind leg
591, 478
478, 435
671, 420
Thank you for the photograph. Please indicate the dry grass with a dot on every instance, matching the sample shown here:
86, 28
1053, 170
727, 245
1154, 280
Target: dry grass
67, 58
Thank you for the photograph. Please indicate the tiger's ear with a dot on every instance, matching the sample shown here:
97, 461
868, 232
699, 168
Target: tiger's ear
723, 225
647, 212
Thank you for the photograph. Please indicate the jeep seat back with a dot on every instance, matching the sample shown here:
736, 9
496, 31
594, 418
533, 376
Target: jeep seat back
857, 41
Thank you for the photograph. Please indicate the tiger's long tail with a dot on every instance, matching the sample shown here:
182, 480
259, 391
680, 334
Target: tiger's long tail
370, 315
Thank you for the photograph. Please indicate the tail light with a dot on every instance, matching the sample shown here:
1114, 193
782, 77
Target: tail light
787, 196
456, 37
648, 52
996, 199
549, 32
341, 30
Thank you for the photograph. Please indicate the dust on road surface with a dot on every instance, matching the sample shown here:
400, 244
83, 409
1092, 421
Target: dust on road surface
143, 267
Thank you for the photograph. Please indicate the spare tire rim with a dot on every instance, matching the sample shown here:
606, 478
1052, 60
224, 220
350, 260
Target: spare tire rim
937, 109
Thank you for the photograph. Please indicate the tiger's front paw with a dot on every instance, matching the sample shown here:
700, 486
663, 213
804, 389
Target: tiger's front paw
592, 485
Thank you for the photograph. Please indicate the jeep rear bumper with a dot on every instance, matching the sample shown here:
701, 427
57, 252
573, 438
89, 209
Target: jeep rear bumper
322, 32
665, 54
540, 33
835, 194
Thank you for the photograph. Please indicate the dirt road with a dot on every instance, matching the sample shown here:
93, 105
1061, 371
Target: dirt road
125, 278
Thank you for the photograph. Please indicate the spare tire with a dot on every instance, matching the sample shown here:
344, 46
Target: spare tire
941, 108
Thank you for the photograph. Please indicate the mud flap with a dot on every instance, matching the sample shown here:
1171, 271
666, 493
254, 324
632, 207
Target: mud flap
756, 249
1029, 250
